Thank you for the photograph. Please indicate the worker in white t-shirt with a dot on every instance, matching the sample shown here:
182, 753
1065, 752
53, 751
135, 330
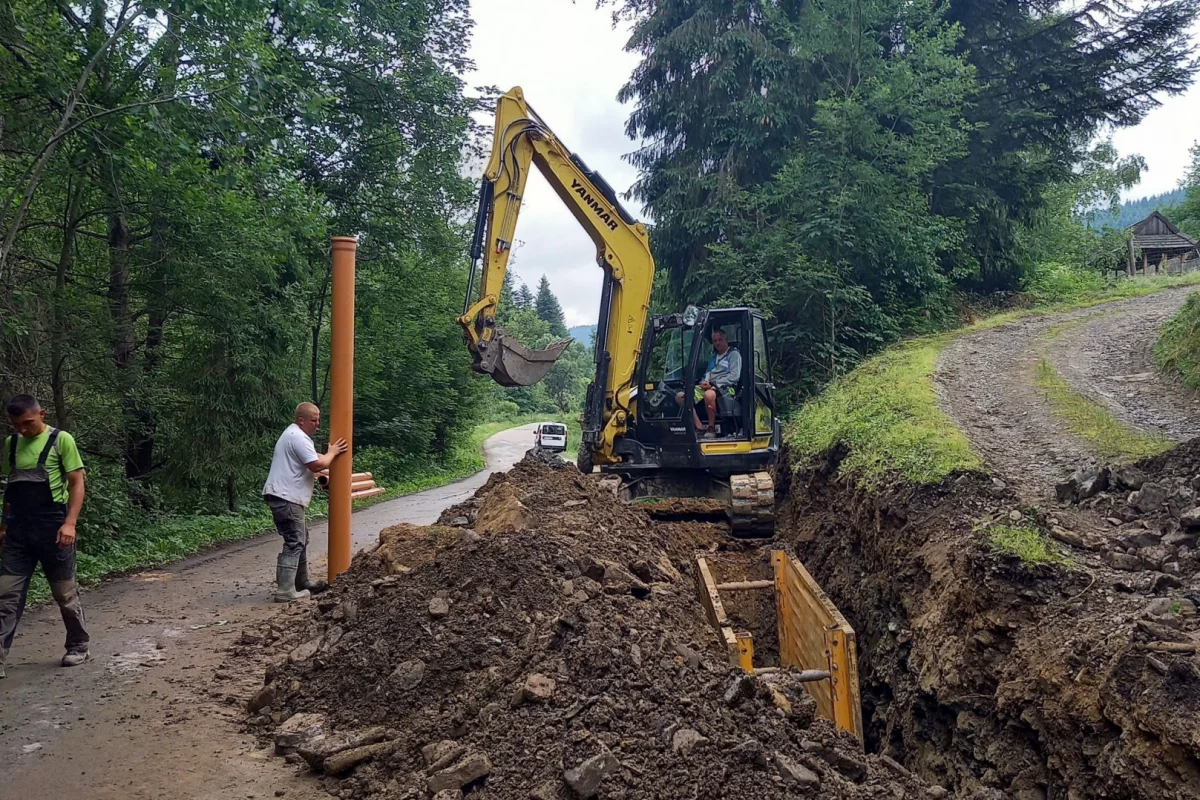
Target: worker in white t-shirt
288, 491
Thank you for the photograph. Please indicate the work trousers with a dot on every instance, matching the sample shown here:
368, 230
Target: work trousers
289, 522
26, 546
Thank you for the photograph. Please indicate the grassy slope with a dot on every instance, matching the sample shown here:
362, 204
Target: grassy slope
1178, 349
177, 538
886, 410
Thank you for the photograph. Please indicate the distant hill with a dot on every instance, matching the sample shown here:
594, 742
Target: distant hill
1137, 210
583, 334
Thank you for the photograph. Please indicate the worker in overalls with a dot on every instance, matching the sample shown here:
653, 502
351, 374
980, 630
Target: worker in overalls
42, 500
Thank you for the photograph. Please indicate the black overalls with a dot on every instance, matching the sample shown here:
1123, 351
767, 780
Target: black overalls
33, 522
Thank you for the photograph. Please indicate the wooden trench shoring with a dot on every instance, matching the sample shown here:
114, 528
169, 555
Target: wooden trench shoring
814, 637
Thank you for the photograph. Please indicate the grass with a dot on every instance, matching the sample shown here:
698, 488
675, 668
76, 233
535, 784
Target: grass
1177, 351
886, 413
1026, 543
173, 539
1093, 423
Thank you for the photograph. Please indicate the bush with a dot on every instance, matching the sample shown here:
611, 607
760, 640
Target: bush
1053, 282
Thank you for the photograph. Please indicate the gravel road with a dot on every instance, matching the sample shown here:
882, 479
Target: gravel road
985, 383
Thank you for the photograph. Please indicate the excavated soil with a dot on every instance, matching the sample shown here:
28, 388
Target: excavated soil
980, 672
567, 645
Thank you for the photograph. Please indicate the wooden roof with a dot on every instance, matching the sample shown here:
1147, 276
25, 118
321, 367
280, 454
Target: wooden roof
1156, 232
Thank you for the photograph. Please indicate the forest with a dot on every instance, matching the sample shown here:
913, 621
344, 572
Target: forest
170, 174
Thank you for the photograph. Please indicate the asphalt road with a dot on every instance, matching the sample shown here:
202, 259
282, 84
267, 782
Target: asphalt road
147, 718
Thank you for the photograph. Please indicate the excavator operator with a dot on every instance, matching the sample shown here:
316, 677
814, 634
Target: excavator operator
721, 378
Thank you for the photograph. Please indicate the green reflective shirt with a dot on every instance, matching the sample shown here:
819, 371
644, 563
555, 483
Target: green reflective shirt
63, 458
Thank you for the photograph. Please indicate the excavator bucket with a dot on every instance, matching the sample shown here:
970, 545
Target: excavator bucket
511, 363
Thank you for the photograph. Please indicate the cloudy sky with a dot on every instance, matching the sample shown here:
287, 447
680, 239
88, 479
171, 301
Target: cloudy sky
571, 64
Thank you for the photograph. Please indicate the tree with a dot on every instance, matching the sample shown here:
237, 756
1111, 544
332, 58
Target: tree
523, 299
548, 309
1187, 213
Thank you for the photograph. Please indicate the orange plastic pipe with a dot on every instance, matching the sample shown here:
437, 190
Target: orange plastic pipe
341, 401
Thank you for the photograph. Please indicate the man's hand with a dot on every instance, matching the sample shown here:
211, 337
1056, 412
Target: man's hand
705, 385
3, 530
336, 448
66, 535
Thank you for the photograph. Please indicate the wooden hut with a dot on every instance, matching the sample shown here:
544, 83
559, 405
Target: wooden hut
1155, 239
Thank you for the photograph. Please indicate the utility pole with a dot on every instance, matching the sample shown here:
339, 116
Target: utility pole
341, 402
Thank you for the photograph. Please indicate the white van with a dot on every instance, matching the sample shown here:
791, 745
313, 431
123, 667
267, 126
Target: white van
551, 436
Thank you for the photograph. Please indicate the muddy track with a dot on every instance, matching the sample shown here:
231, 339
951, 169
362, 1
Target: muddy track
986, 383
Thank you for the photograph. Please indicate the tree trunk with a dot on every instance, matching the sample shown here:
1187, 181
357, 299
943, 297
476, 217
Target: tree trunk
58, 333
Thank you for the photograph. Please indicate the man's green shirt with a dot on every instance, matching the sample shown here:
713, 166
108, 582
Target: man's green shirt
63, 458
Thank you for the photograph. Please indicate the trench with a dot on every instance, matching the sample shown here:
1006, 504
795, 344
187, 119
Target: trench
964, 677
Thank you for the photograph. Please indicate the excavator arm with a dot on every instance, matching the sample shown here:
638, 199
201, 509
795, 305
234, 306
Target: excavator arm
521, 138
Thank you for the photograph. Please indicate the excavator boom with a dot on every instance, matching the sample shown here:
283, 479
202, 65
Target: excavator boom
521, 140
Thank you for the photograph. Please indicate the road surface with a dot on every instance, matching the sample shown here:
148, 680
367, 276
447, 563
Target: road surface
147, 718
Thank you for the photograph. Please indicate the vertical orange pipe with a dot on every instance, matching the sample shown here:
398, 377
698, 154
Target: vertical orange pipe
341, 401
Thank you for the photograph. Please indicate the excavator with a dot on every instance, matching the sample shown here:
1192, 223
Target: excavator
645, 408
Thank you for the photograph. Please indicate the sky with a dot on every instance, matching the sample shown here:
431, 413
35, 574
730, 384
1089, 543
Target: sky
571, 64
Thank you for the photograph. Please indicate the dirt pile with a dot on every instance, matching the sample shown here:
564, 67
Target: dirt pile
1072, 680
1150, 511
563, 655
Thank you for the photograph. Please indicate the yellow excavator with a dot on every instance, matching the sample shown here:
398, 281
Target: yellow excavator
645, 415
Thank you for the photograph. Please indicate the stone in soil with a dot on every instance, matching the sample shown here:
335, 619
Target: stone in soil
585, 779
466, 771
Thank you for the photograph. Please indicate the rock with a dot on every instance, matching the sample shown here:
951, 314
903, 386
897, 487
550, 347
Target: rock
585, 779
1112, 521
545, 791
796, 773
1074, 538
459, 522
502, 512
1181, 537
439, 754
611, 483
1083, 484
1122, 561
667, 569
1159, 607
685, 740
742, 688
316, 751
468, 770
575, 503
409, 674
305, 651
300, 729
1149, 498
1190, 519
642, 569
1172, 568
449, 794
537, 688
439, 607
1165, 582
689, 656
470, 537
635, 655
346, 760
263, 698
1154, 557
1127, 478
752, 751
1015, 516
852, 768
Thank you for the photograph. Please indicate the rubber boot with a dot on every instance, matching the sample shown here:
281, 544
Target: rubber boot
302, 581
285, 579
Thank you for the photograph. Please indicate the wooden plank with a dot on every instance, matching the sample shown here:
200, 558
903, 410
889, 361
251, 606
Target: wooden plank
813, 634
709, 597
735, 586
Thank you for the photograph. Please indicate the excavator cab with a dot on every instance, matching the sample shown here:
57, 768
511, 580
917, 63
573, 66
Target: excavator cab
671, 417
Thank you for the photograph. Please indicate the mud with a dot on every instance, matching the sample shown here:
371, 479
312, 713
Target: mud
573, 649
979, 672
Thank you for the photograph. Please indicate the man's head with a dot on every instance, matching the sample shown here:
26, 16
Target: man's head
720, 341
308, 418
26, 415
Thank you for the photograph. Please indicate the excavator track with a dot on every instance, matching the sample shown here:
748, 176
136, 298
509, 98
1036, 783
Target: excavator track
752, 505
